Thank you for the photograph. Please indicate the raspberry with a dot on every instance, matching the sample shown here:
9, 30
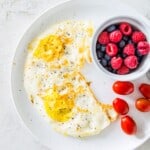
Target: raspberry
111, 49
125, 28
138, 36
129, 49
116, 62
123, 70
115, 36
131, 62
103, 38
143, 48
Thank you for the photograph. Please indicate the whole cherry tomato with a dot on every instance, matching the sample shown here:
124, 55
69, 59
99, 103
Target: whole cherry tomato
143, 104
123, 87
120, 106
145, 90
128, 125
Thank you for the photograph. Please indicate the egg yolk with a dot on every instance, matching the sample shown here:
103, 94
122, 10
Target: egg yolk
49, 48
58, 107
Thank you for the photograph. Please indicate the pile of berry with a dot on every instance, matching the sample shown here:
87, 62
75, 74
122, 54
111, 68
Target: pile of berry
121, 47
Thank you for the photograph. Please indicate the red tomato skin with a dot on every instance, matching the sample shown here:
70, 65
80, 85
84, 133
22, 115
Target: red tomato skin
120, 106
128, 125
143, 104
145, 90
123, 87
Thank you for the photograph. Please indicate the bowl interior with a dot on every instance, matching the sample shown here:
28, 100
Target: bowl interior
144, 66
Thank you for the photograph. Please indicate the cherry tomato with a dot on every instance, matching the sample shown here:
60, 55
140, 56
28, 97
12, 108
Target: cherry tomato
120, 106
128, 125
142, 104
123, 87
145, 90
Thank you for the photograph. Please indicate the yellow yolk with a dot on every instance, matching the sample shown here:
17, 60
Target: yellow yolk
58, 107
49, 48
90, 31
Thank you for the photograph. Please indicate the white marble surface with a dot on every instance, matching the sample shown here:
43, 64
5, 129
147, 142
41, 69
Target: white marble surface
15, 17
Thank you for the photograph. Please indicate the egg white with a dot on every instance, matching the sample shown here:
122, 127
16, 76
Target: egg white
89, 116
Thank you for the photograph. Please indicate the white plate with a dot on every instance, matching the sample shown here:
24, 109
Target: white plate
112, 137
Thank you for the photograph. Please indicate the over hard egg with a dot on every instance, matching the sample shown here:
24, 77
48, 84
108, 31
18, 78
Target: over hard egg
53, 79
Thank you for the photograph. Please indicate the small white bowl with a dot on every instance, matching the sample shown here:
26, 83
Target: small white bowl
145, 64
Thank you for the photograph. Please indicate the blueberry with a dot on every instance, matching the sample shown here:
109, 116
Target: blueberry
109, 69
130, 42
140, 59
109, 63
125, 38
124, 55
138, 54
119, 55
120, 50
100, 54
111, 28
104, 62
98, 46
107, 57
114, 71
103, 49
122, 43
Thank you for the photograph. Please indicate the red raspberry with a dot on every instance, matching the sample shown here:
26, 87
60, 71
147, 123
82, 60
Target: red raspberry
103, 38
143, 48
111, 49
131, 62
138, 36
129, 49
123, 70
125, 28
115, 36
116, 62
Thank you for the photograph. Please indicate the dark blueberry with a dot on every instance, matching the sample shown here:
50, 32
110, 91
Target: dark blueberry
100, 54
109, 63
125, 38
107, 57
120, 51
98, 46
122, 43
140, 59
130, 42
139, 56
137, 53
119, 55
114, 71
111, 28
104, 62
109, 69
124, 55
103, 48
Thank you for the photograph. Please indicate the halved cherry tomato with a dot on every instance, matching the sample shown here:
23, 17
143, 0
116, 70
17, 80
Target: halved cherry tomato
123, 87
128, 125
143, 104
120, 106
145, 90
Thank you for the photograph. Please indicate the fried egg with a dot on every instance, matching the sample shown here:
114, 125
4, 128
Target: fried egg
55, 84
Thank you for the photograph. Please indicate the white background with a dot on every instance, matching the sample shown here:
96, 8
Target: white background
15, 17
